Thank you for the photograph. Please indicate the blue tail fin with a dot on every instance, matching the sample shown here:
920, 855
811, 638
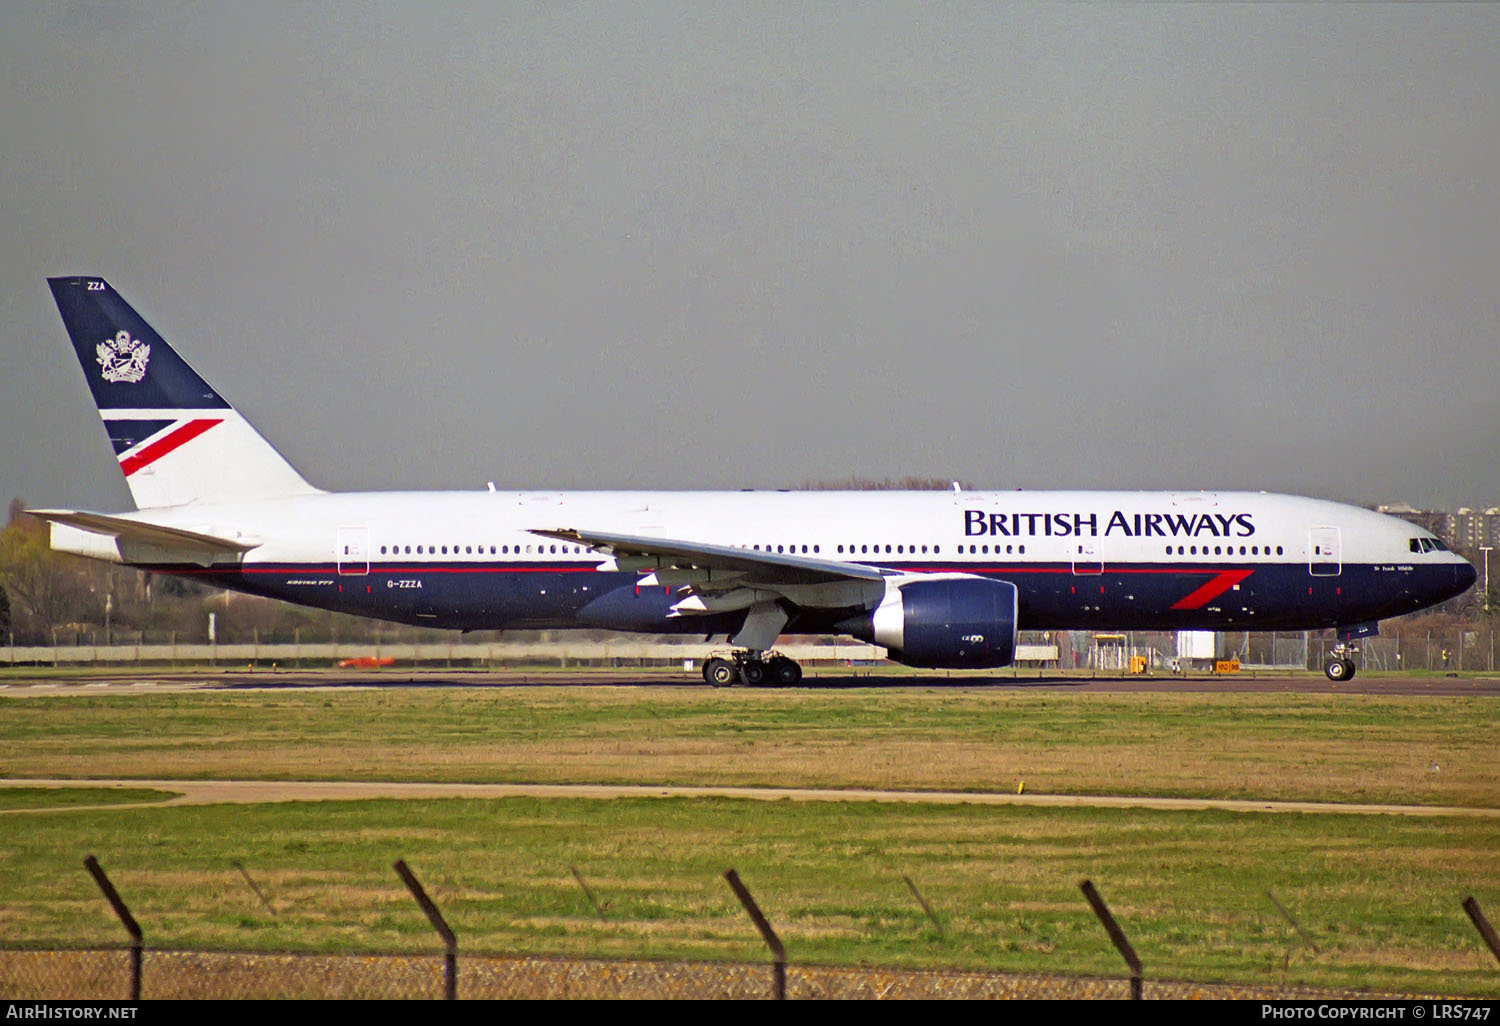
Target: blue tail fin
177, 440
117, 348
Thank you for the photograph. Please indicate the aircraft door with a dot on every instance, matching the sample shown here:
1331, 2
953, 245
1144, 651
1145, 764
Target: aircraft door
1086, 558
1324, 552
353, 550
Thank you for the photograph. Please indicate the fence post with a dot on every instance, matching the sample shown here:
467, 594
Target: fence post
925, 907
1288, 917
1287, 960
131, 926
778, 951
1483, 926
258, 893
1116, 935
450, 942
588, 892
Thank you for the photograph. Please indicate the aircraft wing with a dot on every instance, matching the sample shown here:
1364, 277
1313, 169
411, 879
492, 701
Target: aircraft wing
745, 566
705, 579
127, 530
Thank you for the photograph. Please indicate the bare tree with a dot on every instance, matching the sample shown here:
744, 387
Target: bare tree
52, 589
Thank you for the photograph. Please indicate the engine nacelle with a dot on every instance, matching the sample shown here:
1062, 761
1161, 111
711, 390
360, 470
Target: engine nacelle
953, 623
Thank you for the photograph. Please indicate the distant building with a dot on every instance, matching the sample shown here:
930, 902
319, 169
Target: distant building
1474, 529
1466, 528
1432, 520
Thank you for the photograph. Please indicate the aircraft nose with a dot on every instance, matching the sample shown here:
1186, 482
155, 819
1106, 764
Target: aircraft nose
1464, 576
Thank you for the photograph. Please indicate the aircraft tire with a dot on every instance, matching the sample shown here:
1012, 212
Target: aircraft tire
753, 672
1338, 669
1349, 663
785, 672
721, 673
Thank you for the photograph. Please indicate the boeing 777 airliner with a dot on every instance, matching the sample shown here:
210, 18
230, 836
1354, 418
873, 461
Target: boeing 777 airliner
940, 579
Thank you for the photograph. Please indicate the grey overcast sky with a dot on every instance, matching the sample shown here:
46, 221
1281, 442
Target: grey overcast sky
425, 245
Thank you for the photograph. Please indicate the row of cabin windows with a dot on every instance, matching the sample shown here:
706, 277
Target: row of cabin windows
855, 550
505, 550
1222, 550
469, 550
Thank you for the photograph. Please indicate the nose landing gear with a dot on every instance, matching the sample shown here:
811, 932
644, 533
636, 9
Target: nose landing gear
748, 666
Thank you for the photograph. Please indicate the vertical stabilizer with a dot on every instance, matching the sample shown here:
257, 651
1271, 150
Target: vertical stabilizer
177, 441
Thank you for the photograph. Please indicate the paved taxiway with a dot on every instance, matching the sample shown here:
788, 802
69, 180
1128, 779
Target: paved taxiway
251, 792
129, 683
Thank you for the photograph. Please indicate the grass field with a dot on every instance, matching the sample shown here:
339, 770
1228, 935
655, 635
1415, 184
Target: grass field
60, 797
1379, 895
1306, 747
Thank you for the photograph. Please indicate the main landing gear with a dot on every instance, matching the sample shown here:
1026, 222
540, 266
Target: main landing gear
1340, 664
750, 667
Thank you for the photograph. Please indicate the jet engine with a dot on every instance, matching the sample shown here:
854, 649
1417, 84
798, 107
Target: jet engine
954, 623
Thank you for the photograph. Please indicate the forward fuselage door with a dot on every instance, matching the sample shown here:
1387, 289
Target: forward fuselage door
353, 550
1324, 552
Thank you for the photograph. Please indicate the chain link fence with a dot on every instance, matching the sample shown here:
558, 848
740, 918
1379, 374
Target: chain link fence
103, 975
136, 973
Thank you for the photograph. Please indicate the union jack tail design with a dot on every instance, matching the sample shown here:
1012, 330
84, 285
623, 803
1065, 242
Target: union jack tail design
177, 440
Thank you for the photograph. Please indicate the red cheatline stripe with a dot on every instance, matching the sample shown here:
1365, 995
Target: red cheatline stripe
1216, 586
148, 455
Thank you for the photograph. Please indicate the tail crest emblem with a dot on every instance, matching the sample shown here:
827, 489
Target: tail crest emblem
123, 358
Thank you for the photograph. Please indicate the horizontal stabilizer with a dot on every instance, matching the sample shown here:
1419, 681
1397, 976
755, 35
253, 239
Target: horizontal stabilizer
126, 529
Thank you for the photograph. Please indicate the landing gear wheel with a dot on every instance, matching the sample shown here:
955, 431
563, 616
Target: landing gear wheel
784, 672
1338, 668
753, 672
721, 673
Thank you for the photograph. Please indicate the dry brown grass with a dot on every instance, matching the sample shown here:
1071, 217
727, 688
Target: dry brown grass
1332, 747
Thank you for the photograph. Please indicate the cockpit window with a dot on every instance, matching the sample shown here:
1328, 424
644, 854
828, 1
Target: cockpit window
1416, 544
1427, 545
